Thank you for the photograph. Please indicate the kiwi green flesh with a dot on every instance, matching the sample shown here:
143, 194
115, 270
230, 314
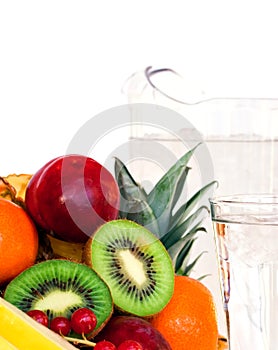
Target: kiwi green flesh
134, 264
59, 287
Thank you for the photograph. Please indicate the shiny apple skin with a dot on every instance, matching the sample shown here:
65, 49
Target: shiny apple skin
121, 328
31, 199
74, 195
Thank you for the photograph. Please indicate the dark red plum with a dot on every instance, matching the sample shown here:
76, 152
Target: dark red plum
72, 196
121, 328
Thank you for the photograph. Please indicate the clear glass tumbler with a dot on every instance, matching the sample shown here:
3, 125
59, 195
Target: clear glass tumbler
246, 232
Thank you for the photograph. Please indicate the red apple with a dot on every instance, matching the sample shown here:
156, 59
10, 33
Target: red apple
121, 328
32, 202
72, 196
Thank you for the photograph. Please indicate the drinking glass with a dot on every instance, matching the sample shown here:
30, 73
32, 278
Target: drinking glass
246, 235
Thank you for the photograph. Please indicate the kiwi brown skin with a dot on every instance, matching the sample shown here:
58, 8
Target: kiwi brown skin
87, 252
69, 279
91, 256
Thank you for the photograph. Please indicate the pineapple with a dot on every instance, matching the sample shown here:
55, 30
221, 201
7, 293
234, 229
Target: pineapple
176, 225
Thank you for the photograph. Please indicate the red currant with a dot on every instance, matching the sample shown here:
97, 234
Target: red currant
83, 321
130, 345
38, 316
60, 325
104, 345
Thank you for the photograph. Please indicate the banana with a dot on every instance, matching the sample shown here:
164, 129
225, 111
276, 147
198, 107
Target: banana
6, 345
19, 331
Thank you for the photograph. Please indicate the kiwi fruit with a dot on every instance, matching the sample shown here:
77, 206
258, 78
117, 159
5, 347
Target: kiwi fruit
134, 264
59, 287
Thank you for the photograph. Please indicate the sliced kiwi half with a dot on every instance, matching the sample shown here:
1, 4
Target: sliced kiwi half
134, 264
59, 287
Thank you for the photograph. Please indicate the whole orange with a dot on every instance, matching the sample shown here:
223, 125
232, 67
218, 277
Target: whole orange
18, 240
189, 320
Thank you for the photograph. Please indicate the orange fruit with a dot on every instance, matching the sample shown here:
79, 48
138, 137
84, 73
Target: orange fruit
18, 240
189, 320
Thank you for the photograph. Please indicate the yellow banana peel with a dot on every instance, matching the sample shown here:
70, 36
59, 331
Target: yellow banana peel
18, 331
6, 345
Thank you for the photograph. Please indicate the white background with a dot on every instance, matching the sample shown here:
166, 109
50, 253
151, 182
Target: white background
61, 62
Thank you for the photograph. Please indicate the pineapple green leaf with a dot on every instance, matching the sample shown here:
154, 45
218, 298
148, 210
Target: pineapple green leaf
165, 194
183, 255
177, 246
180, 185
130, 190
188, 206
182, 264
186, 269
179, 230
134, 205
128, 187
185, 243
180, 250
140, 212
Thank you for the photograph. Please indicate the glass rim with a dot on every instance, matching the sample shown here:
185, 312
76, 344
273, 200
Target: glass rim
246, 198
253, 209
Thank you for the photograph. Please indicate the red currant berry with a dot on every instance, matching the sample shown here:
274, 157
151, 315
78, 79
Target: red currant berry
104, 345
83, 321
60, 325
38, 316
130, 345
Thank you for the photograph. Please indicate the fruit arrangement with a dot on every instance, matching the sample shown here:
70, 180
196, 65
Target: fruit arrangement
89, 260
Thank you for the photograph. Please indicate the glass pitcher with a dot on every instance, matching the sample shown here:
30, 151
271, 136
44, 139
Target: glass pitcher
240, 133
